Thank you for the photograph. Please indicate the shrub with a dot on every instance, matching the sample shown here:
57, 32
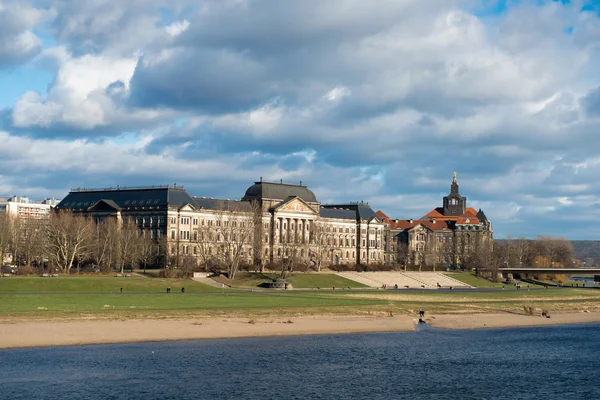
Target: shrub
25, 270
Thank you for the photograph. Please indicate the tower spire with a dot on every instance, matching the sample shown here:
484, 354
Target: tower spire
454, 182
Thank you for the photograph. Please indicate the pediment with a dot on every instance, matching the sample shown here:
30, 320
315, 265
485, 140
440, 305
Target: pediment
105, 205
295, 204
186, 207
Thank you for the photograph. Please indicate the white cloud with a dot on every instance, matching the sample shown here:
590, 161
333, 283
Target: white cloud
177, 28
18, 43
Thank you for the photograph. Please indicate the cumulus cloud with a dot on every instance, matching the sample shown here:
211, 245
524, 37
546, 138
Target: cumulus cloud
88, 92
18, 43
360, 102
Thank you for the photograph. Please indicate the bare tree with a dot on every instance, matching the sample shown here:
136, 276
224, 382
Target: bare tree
104, 248
404, 254
69, 238
146, 250
127, 243
318, 250
204, 239
519, 251
31, 241
235, 234
6, 229
562, 252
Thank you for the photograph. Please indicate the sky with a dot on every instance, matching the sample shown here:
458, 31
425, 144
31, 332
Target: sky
377, 101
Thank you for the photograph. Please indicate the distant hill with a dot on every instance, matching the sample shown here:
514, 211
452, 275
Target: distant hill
584, 250
587, 249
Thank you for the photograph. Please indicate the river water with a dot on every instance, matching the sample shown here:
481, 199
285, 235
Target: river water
556, 362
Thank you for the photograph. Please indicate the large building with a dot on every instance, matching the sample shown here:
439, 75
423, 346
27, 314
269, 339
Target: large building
272, 223
23, 207
445, 236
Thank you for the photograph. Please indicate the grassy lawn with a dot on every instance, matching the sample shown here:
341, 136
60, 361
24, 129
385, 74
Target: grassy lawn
476, 281
94, 284
98, 297
109, 303
300, 280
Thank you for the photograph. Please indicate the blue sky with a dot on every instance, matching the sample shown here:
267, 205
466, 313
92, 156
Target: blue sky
379, 101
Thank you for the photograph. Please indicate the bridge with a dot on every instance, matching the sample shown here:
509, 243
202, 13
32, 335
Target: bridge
544, 270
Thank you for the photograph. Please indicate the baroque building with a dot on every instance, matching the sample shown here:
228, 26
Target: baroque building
447, 236
271, 224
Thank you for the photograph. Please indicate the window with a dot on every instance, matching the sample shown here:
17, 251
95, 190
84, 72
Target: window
195, 221
173, 220
195, 236
195, 250
184, 235
173, 235
301, 252
185, 220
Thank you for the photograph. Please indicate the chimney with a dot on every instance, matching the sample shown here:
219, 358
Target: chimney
411, 221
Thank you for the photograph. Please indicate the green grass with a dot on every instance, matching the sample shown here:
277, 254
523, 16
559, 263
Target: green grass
109, 303
471, 279
94, 284
300, 280
476, 281
93, 296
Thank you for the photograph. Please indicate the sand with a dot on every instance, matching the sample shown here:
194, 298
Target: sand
79, 332
507, 320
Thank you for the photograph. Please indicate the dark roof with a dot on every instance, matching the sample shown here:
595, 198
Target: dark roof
127, 198
481, 216
359, 211
220, 204
278, 191
337, 213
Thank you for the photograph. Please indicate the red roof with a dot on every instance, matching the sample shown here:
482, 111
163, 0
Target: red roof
382, 215
408, 224
467, 220
471, 211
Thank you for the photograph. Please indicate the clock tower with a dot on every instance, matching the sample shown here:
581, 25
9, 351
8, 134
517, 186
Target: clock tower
454, 204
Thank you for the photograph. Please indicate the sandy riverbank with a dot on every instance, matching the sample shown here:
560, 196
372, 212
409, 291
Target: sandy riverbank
78, 332
507, 320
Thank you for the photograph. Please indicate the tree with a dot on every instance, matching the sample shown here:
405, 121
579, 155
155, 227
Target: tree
127, 240
318, 250
69, 238
235, 234
204, 239
31, 241
6, 229
104, 243
404, 254
146, 250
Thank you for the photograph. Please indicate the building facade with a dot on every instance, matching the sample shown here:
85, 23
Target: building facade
447, 236
25, 208
273, 223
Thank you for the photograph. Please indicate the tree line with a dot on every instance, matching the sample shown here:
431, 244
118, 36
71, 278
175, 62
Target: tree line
544, 251
65, 241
